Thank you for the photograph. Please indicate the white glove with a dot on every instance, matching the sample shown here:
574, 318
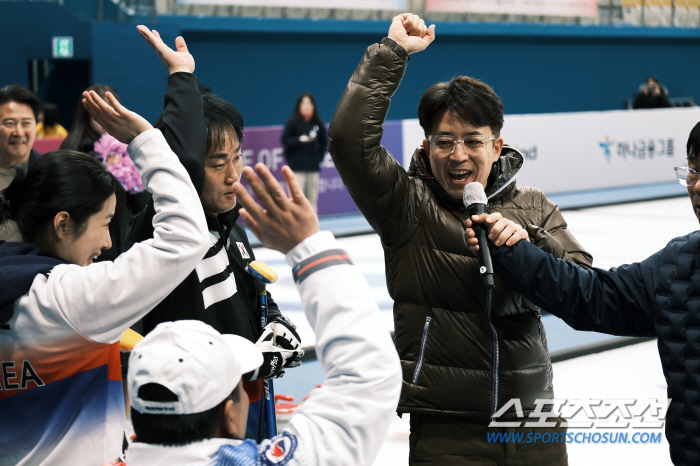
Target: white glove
281, 348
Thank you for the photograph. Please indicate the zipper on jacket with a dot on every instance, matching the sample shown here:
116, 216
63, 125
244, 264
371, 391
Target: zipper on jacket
546, 353
423, 342
496, 355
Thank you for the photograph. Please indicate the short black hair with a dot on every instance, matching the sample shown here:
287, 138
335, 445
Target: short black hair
221, 118
62, 180
21, 95
692, 147
469, 99
174, 430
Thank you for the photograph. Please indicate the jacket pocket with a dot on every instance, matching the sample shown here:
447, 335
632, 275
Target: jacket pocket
546, 353
423, 343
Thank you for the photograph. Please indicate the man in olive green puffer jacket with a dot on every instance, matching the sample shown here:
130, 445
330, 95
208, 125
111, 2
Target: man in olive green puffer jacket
459, 365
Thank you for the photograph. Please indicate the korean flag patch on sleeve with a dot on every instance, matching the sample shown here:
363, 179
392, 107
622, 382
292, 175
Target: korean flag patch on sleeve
242, 250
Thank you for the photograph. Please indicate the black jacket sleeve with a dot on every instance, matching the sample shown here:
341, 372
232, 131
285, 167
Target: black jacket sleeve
619, 301
182, 124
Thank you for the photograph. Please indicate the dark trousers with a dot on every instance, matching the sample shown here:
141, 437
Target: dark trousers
450, 440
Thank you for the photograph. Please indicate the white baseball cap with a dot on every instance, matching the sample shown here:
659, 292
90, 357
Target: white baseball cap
192, 360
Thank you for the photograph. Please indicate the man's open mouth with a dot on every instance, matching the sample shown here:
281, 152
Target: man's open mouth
459, 175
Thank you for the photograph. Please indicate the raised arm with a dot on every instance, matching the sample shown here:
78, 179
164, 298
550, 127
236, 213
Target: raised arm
345, 421
182, 120
376, 181
619, 301
103, 299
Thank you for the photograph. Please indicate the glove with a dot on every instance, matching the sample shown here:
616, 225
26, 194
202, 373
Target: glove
281, 348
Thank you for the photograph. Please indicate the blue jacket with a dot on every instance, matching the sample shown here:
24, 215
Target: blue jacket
658, 297
20, 263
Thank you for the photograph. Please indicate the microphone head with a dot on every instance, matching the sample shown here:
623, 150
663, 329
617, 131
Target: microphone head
474, 194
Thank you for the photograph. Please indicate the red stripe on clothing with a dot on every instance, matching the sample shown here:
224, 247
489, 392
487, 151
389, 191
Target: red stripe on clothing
321, 261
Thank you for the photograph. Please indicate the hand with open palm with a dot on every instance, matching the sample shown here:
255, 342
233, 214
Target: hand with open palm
174, 60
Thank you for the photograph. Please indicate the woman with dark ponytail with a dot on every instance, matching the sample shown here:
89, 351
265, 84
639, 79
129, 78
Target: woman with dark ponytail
61, 315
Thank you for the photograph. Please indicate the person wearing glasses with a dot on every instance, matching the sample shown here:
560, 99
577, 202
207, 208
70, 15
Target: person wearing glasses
657, 297
459, 365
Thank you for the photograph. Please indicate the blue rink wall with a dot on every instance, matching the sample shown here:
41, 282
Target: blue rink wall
262, 64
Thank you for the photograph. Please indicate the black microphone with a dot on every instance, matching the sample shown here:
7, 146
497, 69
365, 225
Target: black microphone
475, 201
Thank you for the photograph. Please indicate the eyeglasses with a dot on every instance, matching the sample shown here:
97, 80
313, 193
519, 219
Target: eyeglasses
444, 144
686, 175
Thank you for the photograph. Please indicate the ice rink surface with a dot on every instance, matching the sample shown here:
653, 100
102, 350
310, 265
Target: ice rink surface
614, 235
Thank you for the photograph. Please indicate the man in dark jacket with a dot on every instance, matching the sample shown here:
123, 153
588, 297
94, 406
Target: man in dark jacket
657, 297
19, 108
205, 132
460, 364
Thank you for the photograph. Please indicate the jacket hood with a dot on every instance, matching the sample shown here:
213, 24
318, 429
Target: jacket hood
501, 179
20, 263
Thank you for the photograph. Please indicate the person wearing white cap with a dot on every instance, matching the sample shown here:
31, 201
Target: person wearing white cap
184, 379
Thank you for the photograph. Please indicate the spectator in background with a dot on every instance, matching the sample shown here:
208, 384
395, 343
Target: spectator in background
652, 95
19, 108
305, 142
86, 135
50, 127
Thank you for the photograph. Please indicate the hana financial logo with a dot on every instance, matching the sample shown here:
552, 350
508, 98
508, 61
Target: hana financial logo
638, 149
605, 145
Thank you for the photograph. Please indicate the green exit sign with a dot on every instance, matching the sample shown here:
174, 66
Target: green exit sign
62, 47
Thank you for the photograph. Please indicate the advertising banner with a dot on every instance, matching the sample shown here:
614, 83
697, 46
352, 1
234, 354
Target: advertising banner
262, 145
569, 152
632, 12
658, 12
584, 8
338, 4
686, 13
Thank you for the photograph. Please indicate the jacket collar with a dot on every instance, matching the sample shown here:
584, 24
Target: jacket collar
197, 453
223, 221
501, 180
20, 263
34, 156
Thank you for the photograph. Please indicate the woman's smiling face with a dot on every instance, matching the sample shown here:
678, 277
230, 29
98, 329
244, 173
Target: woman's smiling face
86, 247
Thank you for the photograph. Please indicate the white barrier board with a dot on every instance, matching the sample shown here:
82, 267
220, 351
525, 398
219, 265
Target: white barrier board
568, 152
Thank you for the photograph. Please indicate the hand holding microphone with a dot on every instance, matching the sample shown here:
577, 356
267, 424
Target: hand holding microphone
475, 201
482, 227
